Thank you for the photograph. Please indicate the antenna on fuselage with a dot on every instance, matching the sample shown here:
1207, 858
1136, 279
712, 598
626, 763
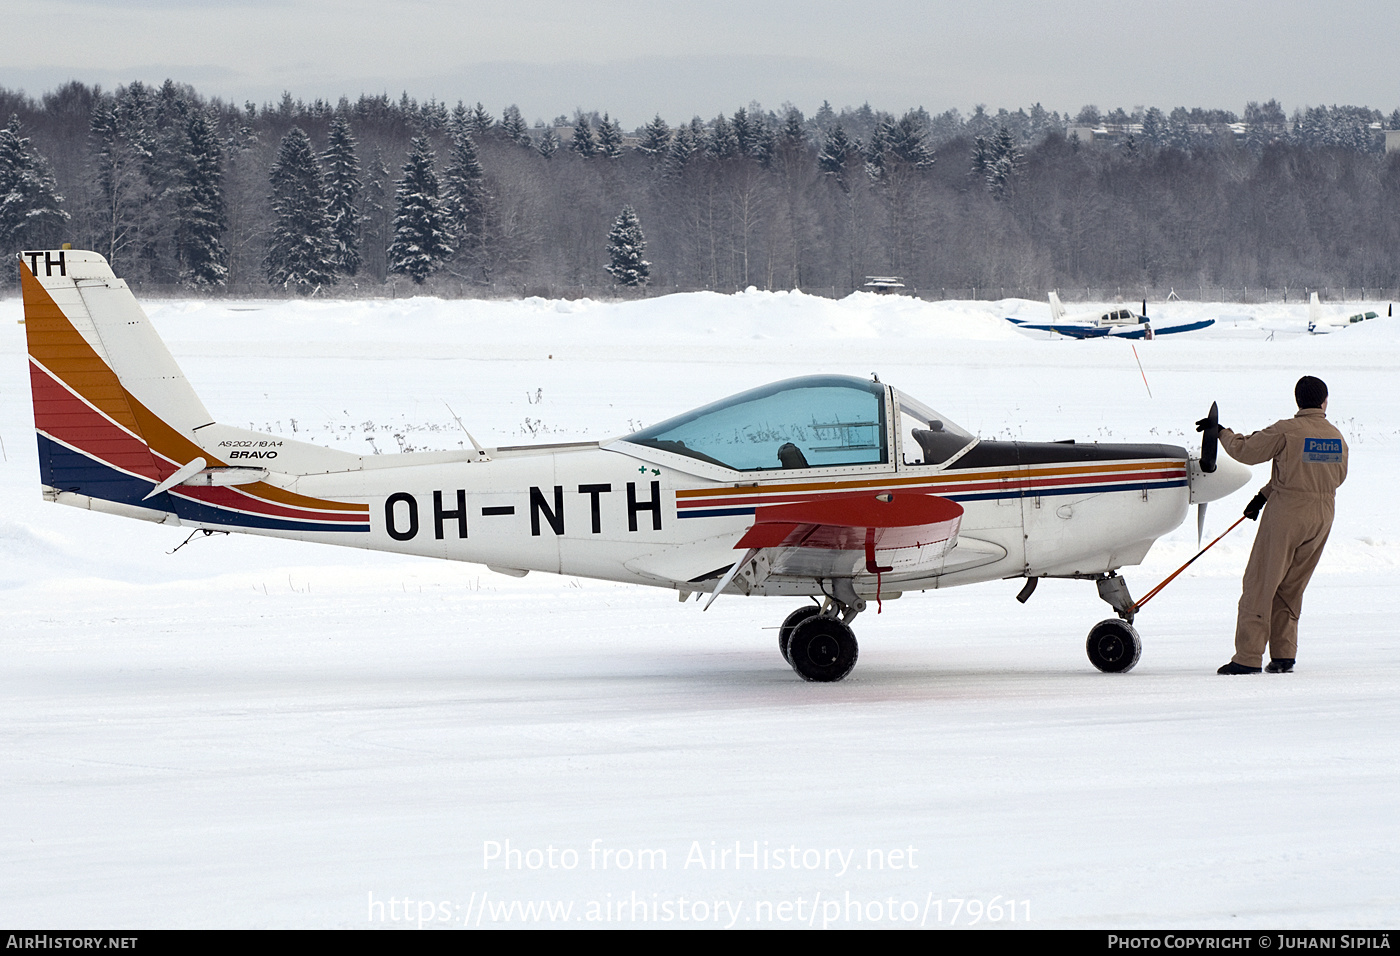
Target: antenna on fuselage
480, 452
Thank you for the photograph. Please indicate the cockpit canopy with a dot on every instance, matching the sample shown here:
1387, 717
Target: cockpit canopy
818, 421
1121, 317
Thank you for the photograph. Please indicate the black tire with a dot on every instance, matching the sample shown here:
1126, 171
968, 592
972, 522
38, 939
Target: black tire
1114, 646
822, 649
791, 621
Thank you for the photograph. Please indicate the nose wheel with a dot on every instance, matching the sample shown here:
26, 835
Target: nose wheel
1114, 646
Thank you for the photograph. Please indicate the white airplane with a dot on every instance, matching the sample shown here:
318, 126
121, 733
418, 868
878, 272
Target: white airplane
837, 489
1121, 323
1319, 324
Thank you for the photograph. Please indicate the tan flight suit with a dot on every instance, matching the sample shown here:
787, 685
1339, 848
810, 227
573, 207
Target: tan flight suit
1310, 461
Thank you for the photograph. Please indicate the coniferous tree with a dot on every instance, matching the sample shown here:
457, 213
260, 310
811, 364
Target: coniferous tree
548, 144
723, 142
609, 138
625, 247
29, 199
583, 142
343, 185
480, 122
1006, 163
685, 144
981, 160
459, 123
200, 218
836, 156
762, 145
745, 130
905, 141
656, 138
792, 139
421, 240
464, 199
1154, 127
514, 127
301, 254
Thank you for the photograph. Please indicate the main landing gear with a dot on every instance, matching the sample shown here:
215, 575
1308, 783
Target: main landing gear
818, 641
1114, 645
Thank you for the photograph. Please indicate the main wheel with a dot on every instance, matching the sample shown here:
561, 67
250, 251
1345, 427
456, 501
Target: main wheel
822, 649
1114, 646
791, 621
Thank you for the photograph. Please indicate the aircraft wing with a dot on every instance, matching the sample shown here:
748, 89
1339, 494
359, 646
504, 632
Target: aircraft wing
1073, 331
1140, 333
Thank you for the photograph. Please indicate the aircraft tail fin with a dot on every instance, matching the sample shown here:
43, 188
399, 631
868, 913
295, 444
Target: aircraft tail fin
121, 430
1314, 312
1057, 311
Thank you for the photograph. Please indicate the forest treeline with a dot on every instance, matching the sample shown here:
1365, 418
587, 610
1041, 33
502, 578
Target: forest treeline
393, 196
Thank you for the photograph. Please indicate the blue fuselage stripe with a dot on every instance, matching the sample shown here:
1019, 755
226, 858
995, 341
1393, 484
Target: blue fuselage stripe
985, 496
67, 470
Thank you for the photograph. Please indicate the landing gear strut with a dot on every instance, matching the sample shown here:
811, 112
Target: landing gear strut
1114, 645
1114, 590
818, 641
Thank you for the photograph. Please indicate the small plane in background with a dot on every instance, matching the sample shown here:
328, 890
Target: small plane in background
1122, 323
837, 489
1318, 324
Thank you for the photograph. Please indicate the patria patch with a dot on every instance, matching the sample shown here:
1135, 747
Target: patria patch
1322, 450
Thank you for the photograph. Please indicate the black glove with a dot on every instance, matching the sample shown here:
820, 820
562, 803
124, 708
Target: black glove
1204, 423
1256, 505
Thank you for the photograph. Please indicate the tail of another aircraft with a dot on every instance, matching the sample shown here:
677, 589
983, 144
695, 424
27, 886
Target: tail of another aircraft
1057, 311
1314, 313
121, 430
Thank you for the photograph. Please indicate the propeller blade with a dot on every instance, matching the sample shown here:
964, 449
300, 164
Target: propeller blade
1200, 521
1144, 308
1210, 439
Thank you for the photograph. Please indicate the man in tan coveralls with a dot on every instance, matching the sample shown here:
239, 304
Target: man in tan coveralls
1309, 460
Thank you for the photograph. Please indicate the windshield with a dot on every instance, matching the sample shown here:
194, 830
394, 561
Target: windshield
927, 437
813, 422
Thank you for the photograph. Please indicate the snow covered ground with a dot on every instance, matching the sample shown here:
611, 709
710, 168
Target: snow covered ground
251, 732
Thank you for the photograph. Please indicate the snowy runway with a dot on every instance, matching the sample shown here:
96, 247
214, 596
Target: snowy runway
253, 732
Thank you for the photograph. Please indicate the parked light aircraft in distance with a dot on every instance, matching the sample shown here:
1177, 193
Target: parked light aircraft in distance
1319, 324
841, 490
1121, 323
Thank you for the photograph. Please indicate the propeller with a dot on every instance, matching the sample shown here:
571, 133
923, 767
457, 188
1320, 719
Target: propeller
1209, 428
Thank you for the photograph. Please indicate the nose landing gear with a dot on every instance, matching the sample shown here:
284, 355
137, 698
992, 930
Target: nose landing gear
1114, 645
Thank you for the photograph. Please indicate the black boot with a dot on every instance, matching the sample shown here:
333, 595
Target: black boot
1233, 668
1280, 665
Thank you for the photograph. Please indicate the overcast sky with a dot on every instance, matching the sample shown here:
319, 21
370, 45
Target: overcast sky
706, 56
